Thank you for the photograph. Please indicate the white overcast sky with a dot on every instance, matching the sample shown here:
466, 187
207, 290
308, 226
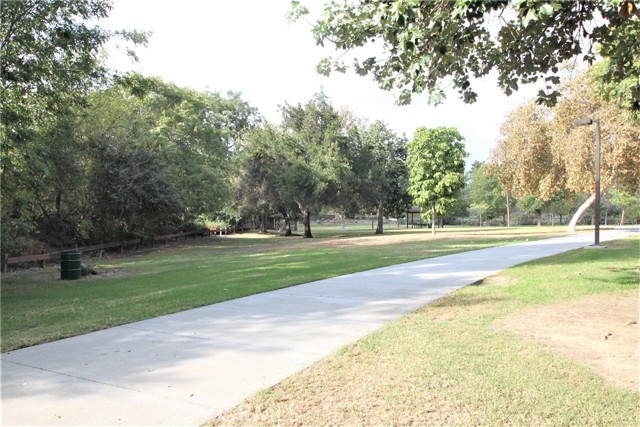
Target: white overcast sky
248, 46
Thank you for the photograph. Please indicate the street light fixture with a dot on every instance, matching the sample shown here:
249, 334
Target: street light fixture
587, 122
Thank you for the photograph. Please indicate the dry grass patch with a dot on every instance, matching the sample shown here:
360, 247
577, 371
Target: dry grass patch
600, 331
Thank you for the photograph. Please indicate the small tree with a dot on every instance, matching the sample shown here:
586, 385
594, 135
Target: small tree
626, 202
486, 194
436, 169
532, 205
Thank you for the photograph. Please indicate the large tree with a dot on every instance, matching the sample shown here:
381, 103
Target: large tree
314, 160
436, 169
179, 138
524, 154
542, 153
382, 172
620, 140
416, 46
263, 180
49, 61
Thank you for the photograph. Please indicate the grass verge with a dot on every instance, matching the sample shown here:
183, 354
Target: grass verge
451, 363
39, 307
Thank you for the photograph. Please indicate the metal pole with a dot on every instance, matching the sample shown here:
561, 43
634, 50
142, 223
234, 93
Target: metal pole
597, 206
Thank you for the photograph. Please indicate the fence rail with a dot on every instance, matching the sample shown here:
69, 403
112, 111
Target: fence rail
186, 234
55, 255
31, 258
174, 236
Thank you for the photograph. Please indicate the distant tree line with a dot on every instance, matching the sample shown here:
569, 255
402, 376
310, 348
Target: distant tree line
321, 158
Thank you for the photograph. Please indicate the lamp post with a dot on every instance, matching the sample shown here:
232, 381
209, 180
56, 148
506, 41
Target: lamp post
587, 122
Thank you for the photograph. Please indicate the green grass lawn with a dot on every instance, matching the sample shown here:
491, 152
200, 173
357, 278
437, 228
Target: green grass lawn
38, 307
452, 363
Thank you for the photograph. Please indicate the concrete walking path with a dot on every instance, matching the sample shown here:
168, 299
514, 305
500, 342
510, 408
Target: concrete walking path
185, 368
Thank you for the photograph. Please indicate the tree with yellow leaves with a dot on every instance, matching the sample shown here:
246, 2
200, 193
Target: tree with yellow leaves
541, 152
575, 146
523, 157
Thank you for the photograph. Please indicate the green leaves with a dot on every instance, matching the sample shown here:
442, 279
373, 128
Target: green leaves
436, 167
428, 44
297, 10
534, 11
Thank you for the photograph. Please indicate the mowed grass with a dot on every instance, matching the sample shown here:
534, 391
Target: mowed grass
451, 362
39, 307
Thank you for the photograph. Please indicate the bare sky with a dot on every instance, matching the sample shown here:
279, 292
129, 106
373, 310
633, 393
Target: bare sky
248, 46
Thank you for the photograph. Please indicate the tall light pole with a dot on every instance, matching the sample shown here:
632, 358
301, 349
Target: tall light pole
587, 122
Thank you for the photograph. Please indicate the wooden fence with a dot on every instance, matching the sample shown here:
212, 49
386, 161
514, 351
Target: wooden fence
185, 234
135, 242
56, 255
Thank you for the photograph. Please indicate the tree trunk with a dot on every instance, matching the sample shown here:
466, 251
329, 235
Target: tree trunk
433, 218
263, 221
622, 218
539, 215
571, 228
58, 204
306, 219
287, 225
380, 229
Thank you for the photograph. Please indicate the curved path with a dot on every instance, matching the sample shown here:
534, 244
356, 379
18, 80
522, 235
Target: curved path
185, 368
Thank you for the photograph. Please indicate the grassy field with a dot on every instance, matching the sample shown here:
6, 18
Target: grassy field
37, 307
453, 362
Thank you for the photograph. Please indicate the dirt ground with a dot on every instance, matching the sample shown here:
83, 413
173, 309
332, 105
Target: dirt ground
599, 331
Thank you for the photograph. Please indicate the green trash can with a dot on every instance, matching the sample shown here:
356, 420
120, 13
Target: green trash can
70, 265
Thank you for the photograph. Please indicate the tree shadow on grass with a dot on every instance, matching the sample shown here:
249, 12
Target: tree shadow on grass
626, 278
464, 300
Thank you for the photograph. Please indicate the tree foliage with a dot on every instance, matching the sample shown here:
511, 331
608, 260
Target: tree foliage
319, 158
575, 146
133, 160
49, 62
314, 160
524, 154
263, 185
425, 43
486, 195
629, 204
382, 172
541, 152
435, 159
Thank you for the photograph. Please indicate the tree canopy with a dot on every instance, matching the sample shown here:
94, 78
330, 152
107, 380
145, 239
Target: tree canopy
427, 43
129, 161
